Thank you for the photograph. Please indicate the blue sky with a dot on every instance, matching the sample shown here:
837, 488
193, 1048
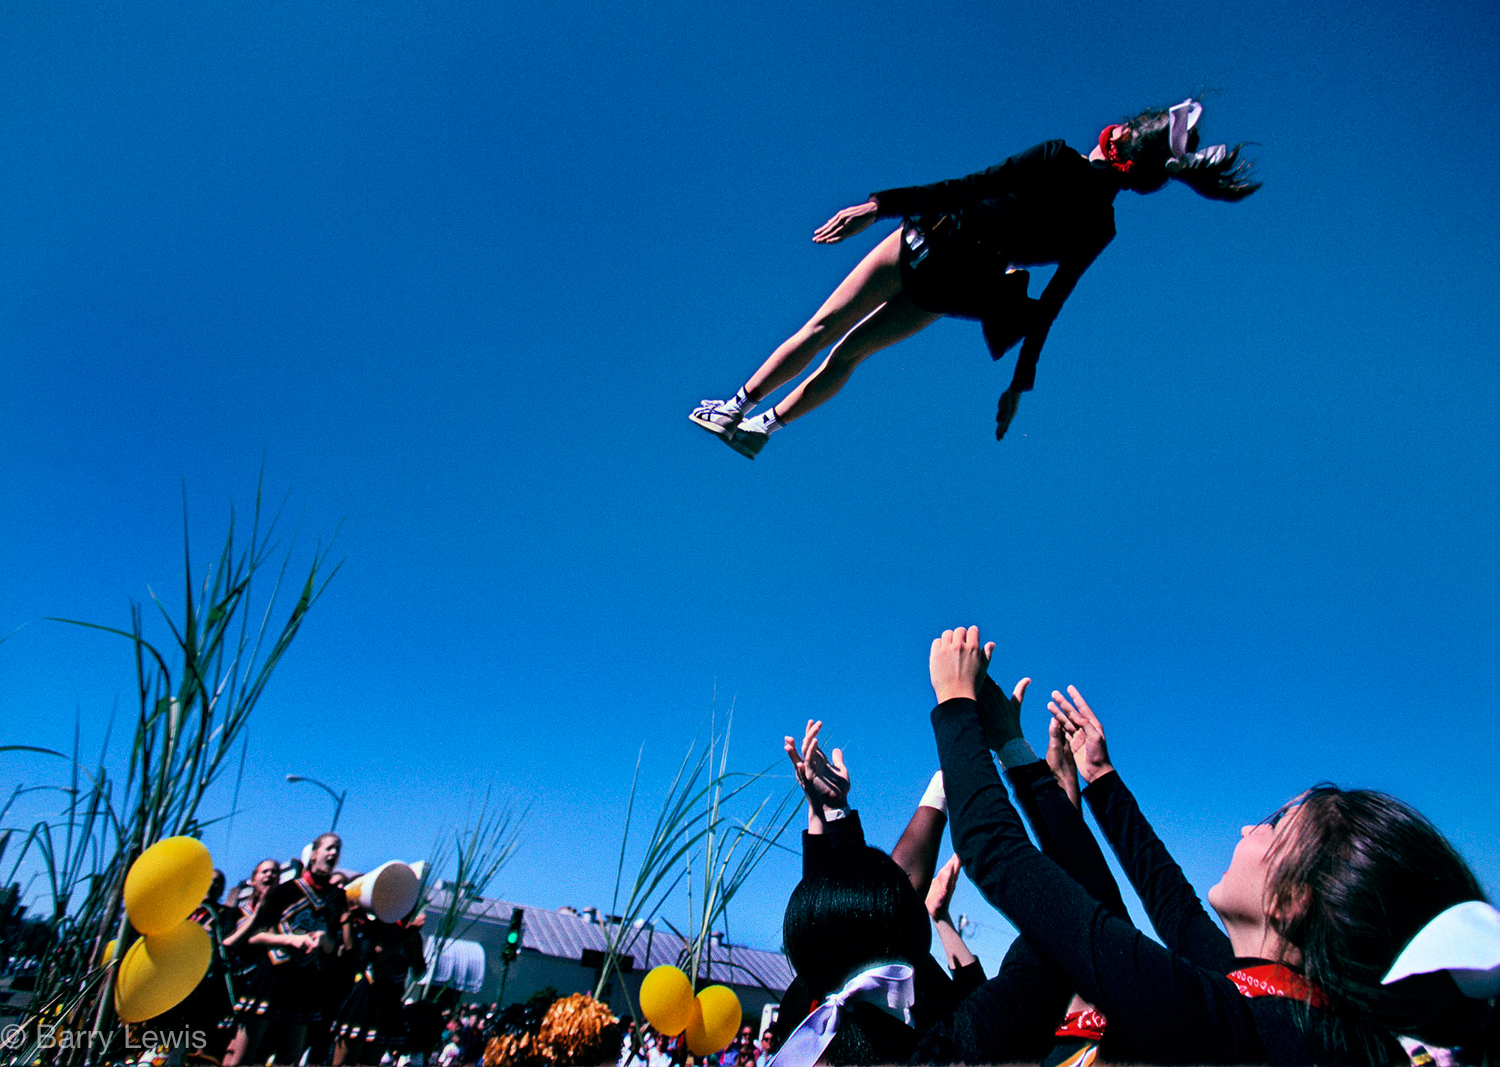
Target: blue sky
455, 275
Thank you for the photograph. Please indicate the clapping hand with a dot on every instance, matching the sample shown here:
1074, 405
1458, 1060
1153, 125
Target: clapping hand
1000, 715
1085, 735
940, 893
825, 781
1060, 760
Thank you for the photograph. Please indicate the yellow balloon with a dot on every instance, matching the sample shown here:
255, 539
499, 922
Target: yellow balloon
667, 999
715, 1020
160, 970
109, 952
166, 883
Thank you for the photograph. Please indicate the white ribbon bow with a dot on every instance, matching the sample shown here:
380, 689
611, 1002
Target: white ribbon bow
1182, 117
1181, 120
888, 987
1464, 941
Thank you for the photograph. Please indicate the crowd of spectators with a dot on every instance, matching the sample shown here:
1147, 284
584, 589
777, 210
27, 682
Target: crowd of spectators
647, 1048
314, 979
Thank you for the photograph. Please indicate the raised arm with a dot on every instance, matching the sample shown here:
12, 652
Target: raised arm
1176, 912
831, 825
1161, 1008
917, 849
1053, 815
970, 189
824, 782
1048, 305
939, 899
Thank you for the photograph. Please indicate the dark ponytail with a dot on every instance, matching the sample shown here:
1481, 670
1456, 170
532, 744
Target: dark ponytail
1147, 153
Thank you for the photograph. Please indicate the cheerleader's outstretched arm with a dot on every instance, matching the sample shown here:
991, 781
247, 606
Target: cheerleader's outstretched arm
1049, 304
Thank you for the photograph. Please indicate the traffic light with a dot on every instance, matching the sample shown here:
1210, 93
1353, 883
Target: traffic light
513, 935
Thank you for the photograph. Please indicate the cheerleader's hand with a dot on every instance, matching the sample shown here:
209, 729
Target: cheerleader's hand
826, 782
940, 894
1010, 400
1000, 715
957, 664
1085, 734
846, 223
1060, 760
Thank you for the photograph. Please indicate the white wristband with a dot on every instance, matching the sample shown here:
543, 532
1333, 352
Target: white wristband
935, 797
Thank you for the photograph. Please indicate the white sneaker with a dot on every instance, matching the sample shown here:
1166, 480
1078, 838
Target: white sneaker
716, 416
747, 443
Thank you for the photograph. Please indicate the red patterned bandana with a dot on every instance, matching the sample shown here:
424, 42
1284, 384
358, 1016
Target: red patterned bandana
1111, 150
1274, 980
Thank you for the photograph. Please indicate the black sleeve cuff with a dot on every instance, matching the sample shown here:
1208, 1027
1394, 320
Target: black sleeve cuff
1098, 792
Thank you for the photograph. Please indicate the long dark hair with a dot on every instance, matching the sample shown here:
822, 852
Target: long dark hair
863, 913
1360, 876
1146, 146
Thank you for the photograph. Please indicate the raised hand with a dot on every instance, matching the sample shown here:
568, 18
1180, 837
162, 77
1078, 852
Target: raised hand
1010, 401
846, 223
826, 782
957, 664
1085, 735
940, 893
1060, 760
1000, 715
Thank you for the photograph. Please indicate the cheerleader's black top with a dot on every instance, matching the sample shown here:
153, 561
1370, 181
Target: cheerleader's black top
1165, 1005
1047, 204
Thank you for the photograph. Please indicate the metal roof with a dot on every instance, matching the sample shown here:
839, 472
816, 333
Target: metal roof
564, 935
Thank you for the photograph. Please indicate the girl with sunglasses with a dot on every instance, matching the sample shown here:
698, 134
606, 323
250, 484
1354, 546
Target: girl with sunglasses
1315, 909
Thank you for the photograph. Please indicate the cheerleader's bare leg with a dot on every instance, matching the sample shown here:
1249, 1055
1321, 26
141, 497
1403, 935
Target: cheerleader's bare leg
895, 320
876, 280
869, 285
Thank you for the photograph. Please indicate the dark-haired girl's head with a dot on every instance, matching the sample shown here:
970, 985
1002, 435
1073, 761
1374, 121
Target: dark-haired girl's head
1347, 878
865, 913
1142, 156
861, 915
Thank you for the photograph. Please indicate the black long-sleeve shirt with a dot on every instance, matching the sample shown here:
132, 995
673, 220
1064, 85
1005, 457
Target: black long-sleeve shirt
1043, 205
1047, 204
1063, 835
1176, 913
1162, 1006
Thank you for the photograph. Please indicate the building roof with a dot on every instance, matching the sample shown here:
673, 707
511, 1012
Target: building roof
564, 934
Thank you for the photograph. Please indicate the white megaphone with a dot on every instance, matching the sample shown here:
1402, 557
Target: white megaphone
390, 891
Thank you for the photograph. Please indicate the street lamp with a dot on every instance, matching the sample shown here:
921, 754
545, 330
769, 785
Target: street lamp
338, 798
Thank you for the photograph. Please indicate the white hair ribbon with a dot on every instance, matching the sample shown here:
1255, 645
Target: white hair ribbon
1464, 941
1181, 120
888, 987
